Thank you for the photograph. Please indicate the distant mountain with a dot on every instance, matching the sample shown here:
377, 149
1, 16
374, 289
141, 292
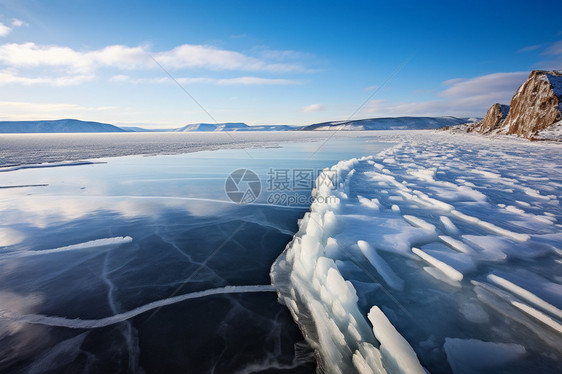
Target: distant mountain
272, 128
73, 125
57, 126
142, 129
211, 127
389, 123
77, 126
231, 126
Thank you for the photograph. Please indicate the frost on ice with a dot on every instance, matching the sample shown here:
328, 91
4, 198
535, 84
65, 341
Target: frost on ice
430, 254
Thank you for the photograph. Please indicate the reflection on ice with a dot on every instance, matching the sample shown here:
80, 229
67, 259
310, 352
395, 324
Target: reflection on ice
10, 237
152, 275
145, 264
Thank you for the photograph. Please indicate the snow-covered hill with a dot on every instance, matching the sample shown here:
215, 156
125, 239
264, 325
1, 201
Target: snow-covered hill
57, 126
142, 129
236, 126
391, 123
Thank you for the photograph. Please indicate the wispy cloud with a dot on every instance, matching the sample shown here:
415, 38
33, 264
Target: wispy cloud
497, 86
9, 76
313, 108
462, 97
186, 56
256, 81
30, 63
16, 110
31, 55
208, 57
530, 48
551, 56
17, 22
554, 49
243, 81
5, 30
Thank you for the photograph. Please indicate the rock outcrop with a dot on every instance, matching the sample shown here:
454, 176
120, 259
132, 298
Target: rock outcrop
537, 104
535, 111
493, 120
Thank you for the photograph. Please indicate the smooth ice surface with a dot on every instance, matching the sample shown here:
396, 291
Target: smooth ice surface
475, 356
116, 318
473, 228
143, 264
18, 149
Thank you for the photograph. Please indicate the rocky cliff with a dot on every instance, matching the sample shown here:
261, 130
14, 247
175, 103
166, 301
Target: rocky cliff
535, 111
493, 120
537, 104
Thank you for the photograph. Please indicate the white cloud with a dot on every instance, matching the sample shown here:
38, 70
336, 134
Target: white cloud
30, 63
4, 30
313, 108
120, 78
19, 111
117, 56
186, 56
10, 76
497, 86
245, 81
462, 97
256, 81
208, 57
30, 55
17, 23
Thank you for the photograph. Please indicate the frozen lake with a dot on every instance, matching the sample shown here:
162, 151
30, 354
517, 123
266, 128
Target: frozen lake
16, 149
152, 229
418, 251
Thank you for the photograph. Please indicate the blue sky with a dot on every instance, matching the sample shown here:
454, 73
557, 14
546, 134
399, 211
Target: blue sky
266, 62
